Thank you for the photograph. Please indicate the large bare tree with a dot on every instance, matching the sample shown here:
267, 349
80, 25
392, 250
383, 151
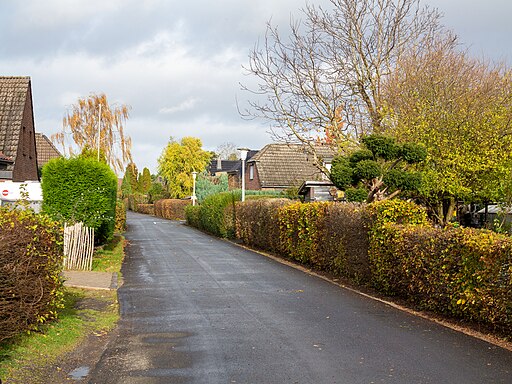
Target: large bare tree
94, 124
323, 82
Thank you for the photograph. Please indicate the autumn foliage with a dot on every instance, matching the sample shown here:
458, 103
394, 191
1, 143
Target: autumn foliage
30, 267
173, 209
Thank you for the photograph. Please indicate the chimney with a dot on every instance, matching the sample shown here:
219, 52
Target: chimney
219, 164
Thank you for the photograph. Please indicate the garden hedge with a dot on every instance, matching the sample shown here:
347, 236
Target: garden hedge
120, 215
30, 265
81, 190
173, 209
460, 272
257, 222
217, 213
147, 209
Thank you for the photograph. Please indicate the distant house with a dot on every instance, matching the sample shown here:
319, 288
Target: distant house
18, 159
46, 151
219, 166
235, 173
282, 166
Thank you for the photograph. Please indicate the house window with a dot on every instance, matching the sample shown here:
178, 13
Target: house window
251, 172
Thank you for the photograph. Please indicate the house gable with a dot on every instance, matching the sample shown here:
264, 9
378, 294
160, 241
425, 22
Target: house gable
281, 166
17, 133
46, 151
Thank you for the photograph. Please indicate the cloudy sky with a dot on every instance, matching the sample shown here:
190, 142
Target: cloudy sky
177, 63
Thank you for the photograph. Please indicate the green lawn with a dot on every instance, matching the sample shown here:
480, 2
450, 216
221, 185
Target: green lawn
110, 257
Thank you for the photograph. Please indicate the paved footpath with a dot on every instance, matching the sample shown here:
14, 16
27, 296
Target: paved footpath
195, 309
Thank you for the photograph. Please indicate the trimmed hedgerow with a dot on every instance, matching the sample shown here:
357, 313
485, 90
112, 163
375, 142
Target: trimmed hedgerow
147, 209
391, 246
344, 244
81, 190
460, 272
257, 222
193, 215
299, 231
173, 209
217, 214
120, 216
30, 266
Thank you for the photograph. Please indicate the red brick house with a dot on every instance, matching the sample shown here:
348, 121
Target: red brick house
282, 166
18, 159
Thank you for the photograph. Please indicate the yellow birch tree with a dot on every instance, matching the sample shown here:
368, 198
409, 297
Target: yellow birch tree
94, 124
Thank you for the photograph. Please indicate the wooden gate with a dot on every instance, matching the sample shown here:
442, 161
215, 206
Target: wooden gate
78, 247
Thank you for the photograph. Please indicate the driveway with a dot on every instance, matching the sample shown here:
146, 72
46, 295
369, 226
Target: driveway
196, 309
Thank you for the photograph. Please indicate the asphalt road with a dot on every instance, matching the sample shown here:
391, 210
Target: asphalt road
196, 309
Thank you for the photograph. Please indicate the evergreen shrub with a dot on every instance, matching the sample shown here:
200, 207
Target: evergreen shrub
81, 190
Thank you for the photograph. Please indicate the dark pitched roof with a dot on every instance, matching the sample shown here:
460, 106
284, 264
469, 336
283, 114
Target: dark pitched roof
13, 94
285, 165
225, 166
45, 150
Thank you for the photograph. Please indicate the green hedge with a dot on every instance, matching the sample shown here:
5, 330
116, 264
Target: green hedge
30, 265
217, 214
81, 190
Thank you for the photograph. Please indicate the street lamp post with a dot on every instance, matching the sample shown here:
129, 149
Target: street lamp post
194, 175
99, 132
243, 157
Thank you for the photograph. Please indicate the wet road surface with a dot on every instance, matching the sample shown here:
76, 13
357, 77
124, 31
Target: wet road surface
196, 309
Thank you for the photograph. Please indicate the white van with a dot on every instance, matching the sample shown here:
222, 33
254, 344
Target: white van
12, 192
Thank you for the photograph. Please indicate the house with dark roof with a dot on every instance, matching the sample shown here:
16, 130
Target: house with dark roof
17, 132
282, 166
219, 166
235, 173
45, 149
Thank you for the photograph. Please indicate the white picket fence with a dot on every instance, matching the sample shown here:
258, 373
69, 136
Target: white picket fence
78, 247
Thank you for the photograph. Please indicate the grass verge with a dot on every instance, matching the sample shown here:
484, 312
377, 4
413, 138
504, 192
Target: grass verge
85, 312
110, 257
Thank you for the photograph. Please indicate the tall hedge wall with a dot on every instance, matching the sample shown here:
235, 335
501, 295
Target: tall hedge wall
81, 189
30, 266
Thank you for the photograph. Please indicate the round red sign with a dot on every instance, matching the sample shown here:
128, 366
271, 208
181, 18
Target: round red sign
5, 192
